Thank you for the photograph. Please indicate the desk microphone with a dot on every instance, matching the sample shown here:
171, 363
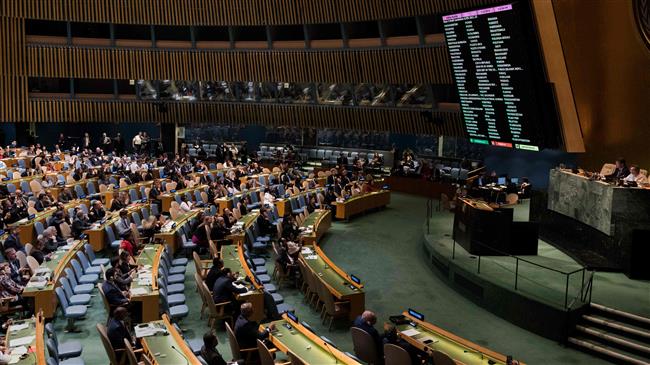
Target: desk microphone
182, 354
327, 346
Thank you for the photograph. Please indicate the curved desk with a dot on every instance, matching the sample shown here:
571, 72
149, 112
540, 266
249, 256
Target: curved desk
36, 347
361, 203
144, 288
239, 236
461, 350
169, 347
43, 296
96, 234
168, 234
111, 192
167, 198
306, 345
233, 258
337, 281
26, 226
315, 226
228, 202
284, 204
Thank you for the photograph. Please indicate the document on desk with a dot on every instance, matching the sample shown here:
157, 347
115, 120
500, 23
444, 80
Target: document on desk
18, 327
139, 291
22, 341
411, 332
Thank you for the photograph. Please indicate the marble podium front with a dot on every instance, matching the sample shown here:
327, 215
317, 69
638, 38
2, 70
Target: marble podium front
615, 211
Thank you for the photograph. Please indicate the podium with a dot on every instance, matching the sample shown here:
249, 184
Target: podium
486, 231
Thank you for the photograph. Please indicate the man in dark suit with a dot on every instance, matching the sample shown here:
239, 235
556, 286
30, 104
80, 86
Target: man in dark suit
620, 172
247, 332
96, 212
224, 289
114, 296
366, 321
13, 240
209, 351
342, 160
80, 224
214, 273
117, 329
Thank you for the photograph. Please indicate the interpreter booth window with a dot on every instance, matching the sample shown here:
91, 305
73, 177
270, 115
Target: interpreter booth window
247, 91
335, 94
269, 92
382, 95
178, 90
146, 89
409, 95
217, 91
365, 94
299, 93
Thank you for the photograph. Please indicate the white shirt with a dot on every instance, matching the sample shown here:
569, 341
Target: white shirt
639, 179
137, 140
186, 206
268, 198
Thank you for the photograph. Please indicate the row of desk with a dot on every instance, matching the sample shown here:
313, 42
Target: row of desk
361, 203
27, 232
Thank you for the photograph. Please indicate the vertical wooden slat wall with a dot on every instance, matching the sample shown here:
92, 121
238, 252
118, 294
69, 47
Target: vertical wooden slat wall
349, 66
19, 60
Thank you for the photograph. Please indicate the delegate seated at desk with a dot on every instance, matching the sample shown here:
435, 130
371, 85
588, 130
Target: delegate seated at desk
224, 288
635, 176
620, 172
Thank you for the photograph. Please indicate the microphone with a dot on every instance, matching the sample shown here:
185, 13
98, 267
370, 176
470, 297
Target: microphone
327, 346
187, 362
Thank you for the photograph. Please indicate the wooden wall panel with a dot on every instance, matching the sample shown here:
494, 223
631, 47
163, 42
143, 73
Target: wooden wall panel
228, 12
403, 65
13, 83
400, 121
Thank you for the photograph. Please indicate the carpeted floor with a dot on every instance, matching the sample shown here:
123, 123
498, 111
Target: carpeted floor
383, 249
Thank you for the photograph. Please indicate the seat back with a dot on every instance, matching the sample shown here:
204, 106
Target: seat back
79, 191
65, 284
21, 258
107, 305
103, 335
38, 227
33, 264
234, 345
607, 169
52, 348
265, 355
130, 354
83, 259
395, 355
66, 231
76, 267
88, 249
28, 248
440, 358
364, 346
90, 187
63, 300
70, 275
133, 195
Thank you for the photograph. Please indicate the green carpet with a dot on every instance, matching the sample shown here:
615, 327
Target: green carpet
383, 249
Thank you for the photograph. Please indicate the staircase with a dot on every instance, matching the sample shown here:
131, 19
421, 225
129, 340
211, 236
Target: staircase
621, 337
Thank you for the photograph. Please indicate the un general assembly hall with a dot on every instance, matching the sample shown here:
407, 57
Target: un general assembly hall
310, 182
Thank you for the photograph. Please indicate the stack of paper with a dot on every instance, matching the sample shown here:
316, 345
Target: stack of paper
138, 291
22, 341
18, 327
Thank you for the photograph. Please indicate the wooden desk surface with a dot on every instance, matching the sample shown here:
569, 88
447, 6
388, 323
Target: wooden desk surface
362, 203
319, 222
149, 257
45, 298
233, 258
306, 345
461, 350
337, 281
36, 328
170, 349
96, 234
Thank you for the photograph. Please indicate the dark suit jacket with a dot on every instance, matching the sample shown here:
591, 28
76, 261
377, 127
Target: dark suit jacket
113, 294
247, 333
372, 331
212, 276
117, 332
212, 356
78, 227
224, 291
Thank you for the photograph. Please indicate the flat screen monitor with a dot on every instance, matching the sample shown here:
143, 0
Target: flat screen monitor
501, 181
498, 71
515, 180
355, 279
292, 317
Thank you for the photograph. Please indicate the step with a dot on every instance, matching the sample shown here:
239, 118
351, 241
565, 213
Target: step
624, 327
619, 340
606, 350
621, 313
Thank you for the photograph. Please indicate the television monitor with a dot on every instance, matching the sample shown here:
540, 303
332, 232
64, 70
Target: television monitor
515, 180
501, 181
355, 279
498, 70
292, 317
